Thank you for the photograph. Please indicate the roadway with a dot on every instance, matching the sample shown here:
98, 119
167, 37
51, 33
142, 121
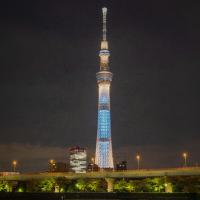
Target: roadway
142, 173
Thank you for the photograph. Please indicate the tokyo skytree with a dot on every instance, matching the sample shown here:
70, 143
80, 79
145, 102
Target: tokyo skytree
104, 155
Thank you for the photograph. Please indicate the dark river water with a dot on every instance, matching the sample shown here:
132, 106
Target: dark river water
100, 196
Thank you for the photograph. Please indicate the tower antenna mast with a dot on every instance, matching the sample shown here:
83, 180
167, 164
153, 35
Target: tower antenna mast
104, 10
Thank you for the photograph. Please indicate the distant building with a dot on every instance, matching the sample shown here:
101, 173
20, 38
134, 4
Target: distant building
121, 165
57, 166
78, 157
61, 167
92, 167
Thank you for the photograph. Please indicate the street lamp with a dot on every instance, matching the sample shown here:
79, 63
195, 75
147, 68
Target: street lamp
51, 161
14, 164
185, 155
51, 165
138, 161
92, 160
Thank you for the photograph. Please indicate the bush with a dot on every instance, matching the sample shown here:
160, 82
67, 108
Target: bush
5, 186
124, 186
47, 185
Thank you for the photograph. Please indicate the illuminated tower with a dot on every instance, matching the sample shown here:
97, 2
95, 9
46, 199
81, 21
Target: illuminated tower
104, 156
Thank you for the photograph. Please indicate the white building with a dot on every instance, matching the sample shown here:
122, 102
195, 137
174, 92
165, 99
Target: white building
78, 159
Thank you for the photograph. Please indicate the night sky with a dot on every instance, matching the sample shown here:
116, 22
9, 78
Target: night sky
48, 63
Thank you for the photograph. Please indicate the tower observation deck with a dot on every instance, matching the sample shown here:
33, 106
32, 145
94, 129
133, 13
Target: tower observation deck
104, 155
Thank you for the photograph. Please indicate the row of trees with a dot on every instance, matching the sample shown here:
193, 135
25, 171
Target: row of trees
65, 185
174, 184
178, 184
145, 185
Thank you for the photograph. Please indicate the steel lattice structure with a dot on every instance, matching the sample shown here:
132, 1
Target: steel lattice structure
104, 155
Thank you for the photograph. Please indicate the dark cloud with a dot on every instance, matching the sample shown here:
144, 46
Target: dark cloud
30, 157
158, 156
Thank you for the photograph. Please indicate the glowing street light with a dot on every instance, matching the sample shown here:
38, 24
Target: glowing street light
185, 155
14, 164
51, 161
92, 160
138, 161
51, 165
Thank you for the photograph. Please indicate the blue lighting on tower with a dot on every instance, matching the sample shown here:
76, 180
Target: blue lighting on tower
103, 99
104, 124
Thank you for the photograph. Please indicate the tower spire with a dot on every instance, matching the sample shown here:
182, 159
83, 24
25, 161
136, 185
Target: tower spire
104, 52
104, 10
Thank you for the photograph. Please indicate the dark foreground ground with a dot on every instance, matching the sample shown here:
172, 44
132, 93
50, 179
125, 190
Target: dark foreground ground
99, 196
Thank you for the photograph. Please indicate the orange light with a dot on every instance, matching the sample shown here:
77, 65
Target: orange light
14, 162
51, 161
184, 154
138, 157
